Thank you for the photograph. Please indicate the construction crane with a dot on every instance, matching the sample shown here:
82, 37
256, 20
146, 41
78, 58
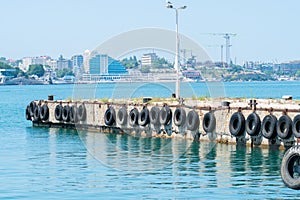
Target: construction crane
221, 53
192, 58
227, 44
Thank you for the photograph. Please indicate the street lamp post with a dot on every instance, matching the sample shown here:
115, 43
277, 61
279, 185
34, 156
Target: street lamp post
176, 64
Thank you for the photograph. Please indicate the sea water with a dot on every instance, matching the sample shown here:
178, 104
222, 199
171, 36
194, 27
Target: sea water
52, 163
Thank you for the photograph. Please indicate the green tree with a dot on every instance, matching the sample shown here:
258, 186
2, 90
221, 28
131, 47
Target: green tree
235, 69
5, 66
297, 74
14, 73
131, 63
161, 63
36, 69
64, 72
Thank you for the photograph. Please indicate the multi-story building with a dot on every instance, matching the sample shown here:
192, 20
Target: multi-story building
105, 65
41, 60
63, 63
26, 61
77, 61
52, 63
288, 67
77, 64
148, 59
86, 60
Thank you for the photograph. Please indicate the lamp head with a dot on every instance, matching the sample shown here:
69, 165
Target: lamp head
169, 4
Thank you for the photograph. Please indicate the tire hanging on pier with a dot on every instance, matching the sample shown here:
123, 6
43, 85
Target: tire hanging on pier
110, 116
73, 114
36, 114
144, 117
290, 168
66, 113
154, 115
179, 116
32, 106
193, 121
296, 126
165, 115
27, 113
253, 124
268, 127
81, 112
237, 124
284, 127
122, 116
209, 122
44, 113
58, 112
133, 117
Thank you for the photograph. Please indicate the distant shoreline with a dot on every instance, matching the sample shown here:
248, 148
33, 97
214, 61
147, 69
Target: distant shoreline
24, 81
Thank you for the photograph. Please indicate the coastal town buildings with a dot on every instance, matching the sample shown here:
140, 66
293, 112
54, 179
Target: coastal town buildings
92, 66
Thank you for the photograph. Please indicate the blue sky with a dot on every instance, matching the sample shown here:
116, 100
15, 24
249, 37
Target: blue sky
268, 30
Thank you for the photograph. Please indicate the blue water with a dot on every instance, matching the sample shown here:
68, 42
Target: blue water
42, 163
198, 89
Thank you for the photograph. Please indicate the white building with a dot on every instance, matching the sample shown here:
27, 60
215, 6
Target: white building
52, 63
41, 60
148, 59
86, 60
26, 61
63, 63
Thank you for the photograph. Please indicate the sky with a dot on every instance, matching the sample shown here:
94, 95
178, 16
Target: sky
267, 30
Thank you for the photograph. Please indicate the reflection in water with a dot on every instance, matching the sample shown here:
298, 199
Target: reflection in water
134, 154
54, 155
117, 164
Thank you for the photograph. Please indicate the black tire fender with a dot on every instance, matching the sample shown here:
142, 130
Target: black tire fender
66, 113
122, 116
237, 124
81, 112
209, 122
73, 114
192, 120
284, 127
44, 113
154, 115
144, 117
253, 124
165, 115
58, 112
179, 116
110, 116
291, 164
296, 126
32, 106
36, 114
27, 113
133, 117
268, 126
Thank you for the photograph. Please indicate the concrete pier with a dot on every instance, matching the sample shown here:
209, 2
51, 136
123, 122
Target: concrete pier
220, 120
